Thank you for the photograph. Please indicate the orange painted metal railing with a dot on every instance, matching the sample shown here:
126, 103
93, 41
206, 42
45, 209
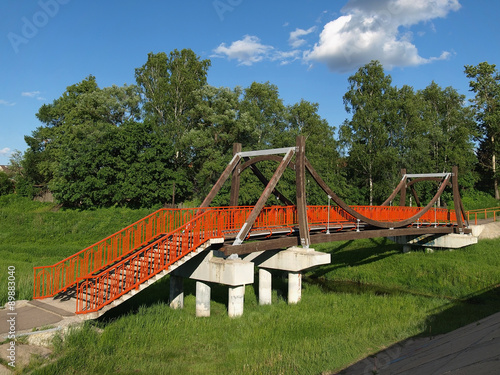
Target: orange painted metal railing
483, 213
96, 291
50, 280
440, 216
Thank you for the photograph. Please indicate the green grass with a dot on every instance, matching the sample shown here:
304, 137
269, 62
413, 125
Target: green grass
38, 234
370, 296
476, 199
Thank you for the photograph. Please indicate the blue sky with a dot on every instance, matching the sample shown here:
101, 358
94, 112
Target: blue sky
307, 48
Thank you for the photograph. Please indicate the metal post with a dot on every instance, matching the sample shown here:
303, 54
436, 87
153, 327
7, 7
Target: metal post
456, 199
300, 177
402, 192
235, 181
328, 226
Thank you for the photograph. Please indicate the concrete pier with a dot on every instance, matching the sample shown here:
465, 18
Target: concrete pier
235, 301
176, 292
294, 287
446, 241
294, 260
265, 287
209, 268
202, 299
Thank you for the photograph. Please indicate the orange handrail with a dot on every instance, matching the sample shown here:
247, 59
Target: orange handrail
94, 292
483, 212
50, 280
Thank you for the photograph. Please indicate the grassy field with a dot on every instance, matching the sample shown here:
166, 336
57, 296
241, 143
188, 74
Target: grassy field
38, 234
369, 297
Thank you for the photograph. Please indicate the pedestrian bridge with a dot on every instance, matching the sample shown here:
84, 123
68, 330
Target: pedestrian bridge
225, 244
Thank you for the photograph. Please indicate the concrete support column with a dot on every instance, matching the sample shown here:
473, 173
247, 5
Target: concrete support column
235, 301
265, 287
176, 292
294, 287
202, 299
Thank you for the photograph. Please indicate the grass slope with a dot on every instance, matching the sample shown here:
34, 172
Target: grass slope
369, 297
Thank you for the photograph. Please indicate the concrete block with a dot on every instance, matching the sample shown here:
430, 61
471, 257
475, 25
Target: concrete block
176, 292
476, 230
293, 259
265, 287
447, 241
236, 301
202, 299
294, 287
209, 268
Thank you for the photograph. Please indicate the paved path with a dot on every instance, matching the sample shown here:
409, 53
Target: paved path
39, 313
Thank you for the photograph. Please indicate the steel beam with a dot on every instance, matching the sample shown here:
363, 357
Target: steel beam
402, 195
456, 199
424, 175
401, 187
367, 220
265, 181
271, 151
285, 242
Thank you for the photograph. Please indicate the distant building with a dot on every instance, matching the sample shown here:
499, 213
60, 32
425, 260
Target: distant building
4, 168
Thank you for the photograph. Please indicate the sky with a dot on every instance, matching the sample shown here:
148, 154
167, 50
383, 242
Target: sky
307, 48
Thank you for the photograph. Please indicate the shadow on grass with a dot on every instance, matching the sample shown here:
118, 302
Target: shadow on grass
455, 315
159, 293
463, 312
382, 248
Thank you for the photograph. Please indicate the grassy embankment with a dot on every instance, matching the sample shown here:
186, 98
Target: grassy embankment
339, 320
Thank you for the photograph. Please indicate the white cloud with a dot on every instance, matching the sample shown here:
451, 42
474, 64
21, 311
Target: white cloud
370, 30
5, 152
250, 50
296, 39
33, 94
247, 51
6, 103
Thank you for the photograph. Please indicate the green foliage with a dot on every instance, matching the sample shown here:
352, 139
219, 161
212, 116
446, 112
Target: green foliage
426, 131
6, 184
485, 83
475, 199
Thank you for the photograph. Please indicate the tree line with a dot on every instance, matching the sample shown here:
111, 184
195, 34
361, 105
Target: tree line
167, 138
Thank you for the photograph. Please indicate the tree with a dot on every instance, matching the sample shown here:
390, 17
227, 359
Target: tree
217, 126
168, 85
485, 83
371, 159
321, 148
450, 133
262, 105
74, 152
